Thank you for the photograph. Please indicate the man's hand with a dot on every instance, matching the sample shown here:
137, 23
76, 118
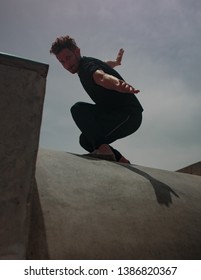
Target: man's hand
119, 57
125, 87
117, 61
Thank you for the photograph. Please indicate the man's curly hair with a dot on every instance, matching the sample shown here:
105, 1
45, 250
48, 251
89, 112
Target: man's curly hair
62, 43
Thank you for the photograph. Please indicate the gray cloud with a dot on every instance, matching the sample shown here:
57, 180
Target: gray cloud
162, 58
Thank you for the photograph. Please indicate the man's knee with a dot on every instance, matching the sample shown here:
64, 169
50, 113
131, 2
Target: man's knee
84, 143
80, 108
75, 109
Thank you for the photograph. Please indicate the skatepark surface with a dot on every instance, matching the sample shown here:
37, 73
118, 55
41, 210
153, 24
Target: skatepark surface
95, 209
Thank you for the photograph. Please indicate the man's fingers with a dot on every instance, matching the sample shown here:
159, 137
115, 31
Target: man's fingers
136, 91
121, 52
128, 88
119, 56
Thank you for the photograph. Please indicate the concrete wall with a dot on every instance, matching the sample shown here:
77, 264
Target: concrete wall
194, 169
93, 209
22, 90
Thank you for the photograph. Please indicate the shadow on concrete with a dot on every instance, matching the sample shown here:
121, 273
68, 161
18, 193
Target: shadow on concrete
37, 248
162, 191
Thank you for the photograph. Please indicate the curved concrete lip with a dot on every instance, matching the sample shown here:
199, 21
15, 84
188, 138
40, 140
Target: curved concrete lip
94, 209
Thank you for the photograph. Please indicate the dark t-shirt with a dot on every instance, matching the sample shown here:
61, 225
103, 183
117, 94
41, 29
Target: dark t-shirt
109, 99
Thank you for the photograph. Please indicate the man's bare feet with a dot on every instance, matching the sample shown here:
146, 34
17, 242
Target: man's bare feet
105, 152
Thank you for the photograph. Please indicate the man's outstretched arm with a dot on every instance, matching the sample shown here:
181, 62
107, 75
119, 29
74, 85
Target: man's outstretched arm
117, 61
110, 82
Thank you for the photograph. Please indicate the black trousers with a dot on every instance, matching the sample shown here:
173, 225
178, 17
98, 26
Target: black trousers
99, 126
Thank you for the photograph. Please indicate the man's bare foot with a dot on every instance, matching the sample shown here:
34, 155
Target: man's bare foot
124, 160
104, 150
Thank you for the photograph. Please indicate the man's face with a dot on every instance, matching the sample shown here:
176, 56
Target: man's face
69, 59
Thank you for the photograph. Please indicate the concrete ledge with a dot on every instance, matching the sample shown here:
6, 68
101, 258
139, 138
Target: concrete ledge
22, 63
22, 90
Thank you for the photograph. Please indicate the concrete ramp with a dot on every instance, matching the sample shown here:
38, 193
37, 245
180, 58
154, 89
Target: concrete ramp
93, 209
22, 90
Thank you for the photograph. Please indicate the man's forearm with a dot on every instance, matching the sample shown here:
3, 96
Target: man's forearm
112, 63
109, 82
113, 83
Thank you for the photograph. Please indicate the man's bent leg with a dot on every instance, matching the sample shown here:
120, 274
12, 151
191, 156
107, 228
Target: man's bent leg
100, 128
84, 115
125, 128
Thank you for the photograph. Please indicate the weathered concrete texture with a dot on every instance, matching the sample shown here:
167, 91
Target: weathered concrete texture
22, 89
93, 209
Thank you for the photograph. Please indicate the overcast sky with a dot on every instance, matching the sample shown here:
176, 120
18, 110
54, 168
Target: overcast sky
162, 43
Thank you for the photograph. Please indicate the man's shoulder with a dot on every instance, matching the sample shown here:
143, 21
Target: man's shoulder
90, 65
91, 60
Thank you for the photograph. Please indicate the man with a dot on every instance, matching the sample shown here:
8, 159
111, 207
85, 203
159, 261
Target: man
116, 113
